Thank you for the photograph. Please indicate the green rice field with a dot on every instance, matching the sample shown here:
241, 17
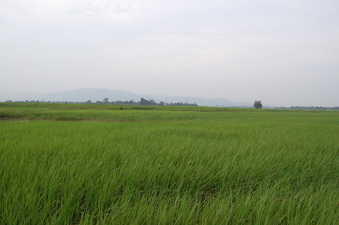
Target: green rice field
98, 164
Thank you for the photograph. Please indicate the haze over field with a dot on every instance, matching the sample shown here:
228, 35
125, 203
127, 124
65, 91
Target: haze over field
282, 52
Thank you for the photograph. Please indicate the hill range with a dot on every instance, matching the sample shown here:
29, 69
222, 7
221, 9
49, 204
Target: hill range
95, 94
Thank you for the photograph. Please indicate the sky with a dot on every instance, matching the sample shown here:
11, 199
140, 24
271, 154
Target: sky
283, 52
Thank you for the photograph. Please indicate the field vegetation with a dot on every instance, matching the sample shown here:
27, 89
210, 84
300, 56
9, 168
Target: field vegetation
108, 164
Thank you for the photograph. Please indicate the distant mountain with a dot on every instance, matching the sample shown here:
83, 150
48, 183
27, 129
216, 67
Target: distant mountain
93, 94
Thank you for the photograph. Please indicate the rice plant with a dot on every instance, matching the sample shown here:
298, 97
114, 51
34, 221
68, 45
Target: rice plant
65, 164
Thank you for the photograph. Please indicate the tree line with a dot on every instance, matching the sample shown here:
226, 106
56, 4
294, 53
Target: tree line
106, 101
142, 101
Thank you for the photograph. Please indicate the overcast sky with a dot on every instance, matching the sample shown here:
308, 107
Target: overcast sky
283, 52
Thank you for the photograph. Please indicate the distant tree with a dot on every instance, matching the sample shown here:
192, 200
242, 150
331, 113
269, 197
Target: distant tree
144, 102
152, 102
105, 101
89, 102
257, 104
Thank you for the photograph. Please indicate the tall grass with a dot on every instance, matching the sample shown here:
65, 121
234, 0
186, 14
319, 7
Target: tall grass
169, 167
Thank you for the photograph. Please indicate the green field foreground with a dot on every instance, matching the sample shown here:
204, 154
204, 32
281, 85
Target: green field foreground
98, 164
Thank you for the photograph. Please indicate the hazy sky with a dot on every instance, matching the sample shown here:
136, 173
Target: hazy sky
283, 52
